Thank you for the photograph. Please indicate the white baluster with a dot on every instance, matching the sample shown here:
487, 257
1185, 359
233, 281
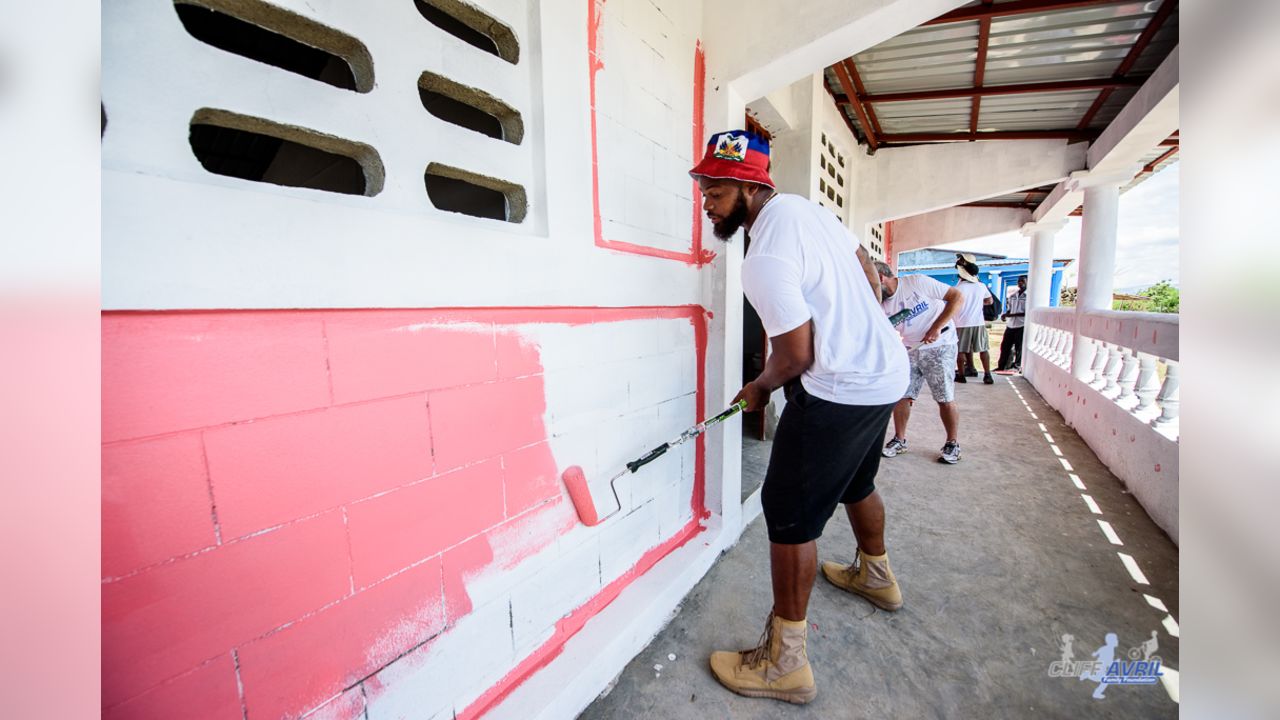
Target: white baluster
1101, 353
1109, 373
1068, 345
1064, 351
1147, 384
1168, 397
1128, 374
1084, 351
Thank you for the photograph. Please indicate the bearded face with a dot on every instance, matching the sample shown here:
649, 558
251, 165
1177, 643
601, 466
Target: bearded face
729, 224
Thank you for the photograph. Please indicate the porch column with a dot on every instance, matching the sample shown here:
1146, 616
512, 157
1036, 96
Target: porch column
1040, 272
1097, 263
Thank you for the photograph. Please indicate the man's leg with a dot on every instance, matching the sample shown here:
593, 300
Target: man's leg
866, 517
950, 420
1006, 350
901, 414
793, 567
986, 361
1017, 347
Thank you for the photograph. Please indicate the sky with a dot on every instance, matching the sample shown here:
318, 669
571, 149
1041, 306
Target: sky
1146, 242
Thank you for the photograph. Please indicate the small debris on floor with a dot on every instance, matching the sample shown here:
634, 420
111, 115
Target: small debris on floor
671, 657
657, 668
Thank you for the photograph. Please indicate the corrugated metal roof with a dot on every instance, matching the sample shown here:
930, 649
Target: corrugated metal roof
1075, 44
1086, 43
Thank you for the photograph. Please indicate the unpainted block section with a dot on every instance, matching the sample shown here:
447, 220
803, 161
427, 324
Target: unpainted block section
449, 671
566, 582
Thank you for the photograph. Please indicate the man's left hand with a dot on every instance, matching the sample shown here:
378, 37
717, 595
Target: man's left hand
755, 395
930, 336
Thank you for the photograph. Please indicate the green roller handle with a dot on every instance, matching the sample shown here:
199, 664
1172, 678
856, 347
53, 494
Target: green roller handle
692, 432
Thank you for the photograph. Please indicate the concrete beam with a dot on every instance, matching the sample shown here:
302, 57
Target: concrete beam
906, 181
1149, 117
747, 48
955, 224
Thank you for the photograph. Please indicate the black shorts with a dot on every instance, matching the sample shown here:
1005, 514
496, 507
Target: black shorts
824, 453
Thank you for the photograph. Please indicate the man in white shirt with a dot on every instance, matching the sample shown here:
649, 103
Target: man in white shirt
843, 369
1015, 317
971, 327
921, 309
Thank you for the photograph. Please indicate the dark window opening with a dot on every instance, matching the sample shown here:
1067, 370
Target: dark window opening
470, 108
463, 192
276, 37
253, 149
470, 25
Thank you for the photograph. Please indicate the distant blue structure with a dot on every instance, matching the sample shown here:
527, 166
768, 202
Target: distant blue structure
999, 273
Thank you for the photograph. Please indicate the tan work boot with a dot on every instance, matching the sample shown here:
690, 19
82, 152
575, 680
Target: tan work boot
777, 668
868, 576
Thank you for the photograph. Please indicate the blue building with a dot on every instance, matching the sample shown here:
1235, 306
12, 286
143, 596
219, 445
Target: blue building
999, 273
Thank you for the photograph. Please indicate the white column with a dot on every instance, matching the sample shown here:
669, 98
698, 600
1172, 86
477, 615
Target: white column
1097, 264
1040, 274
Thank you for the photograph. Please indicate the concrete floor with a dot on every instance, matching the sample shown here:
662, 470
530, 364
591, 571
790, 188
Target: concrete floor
998, 557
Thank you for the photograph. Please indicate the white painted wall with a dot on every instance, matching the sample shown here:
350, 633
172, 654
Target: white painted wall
176, 236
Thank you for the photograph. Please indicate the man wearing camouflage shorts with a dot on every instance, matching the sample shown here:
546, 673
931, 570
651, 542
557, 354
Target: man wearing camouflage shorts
924, 308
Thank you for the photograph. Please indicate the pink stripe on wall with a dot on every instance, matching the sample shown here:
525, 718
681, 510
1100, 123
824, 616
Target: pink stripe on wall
294, 499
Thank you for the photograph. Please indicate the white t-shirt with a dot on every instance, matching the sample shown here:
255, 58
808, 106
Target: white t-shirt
970, 314
924, 297
1017, 304
802, 266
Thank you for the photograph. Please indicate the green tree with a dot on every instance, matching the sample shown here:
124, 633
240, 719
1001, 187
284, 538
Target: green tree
1164, 297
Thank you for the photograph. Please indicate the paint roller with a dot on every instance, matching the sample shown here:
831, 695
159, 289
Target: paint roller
576, 482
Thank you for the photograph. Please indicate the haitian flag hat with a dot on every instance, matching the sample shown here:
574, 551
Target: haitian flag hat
735, 155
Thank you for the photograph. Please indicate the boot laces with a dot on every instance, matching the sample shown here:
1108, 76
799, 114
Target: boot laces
760, 652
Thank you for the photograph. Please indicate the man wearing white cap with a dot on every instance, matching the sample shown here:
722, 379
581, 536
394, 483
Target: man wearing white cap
971, 327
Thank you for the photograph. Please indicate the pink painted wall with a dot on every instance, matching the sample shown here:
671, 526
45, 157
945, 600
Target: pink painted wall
294, 499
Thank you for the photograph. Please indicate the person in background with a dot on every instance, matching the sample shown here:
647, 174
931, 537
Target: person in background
931, 347
971, 328
1015, 317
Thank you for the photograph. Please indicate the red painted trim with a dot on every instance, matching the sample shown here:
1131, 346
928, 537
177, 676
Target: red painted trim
570, 625
696, 256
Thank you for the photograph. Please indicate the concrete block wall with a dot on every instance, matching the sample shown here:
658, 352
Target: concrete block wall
334, 426
284, 547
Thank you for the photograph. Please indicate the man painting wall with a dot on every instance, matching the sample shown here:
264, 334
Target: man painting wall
843, 369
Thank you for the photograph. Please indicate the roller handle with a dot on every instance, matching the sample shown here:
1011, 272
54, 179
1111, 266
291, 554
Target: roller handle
659, 451
648, 457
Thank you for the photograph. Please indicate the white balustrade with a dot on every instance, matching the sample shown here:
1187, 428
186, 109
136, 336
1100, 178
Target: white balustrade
1123, 359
